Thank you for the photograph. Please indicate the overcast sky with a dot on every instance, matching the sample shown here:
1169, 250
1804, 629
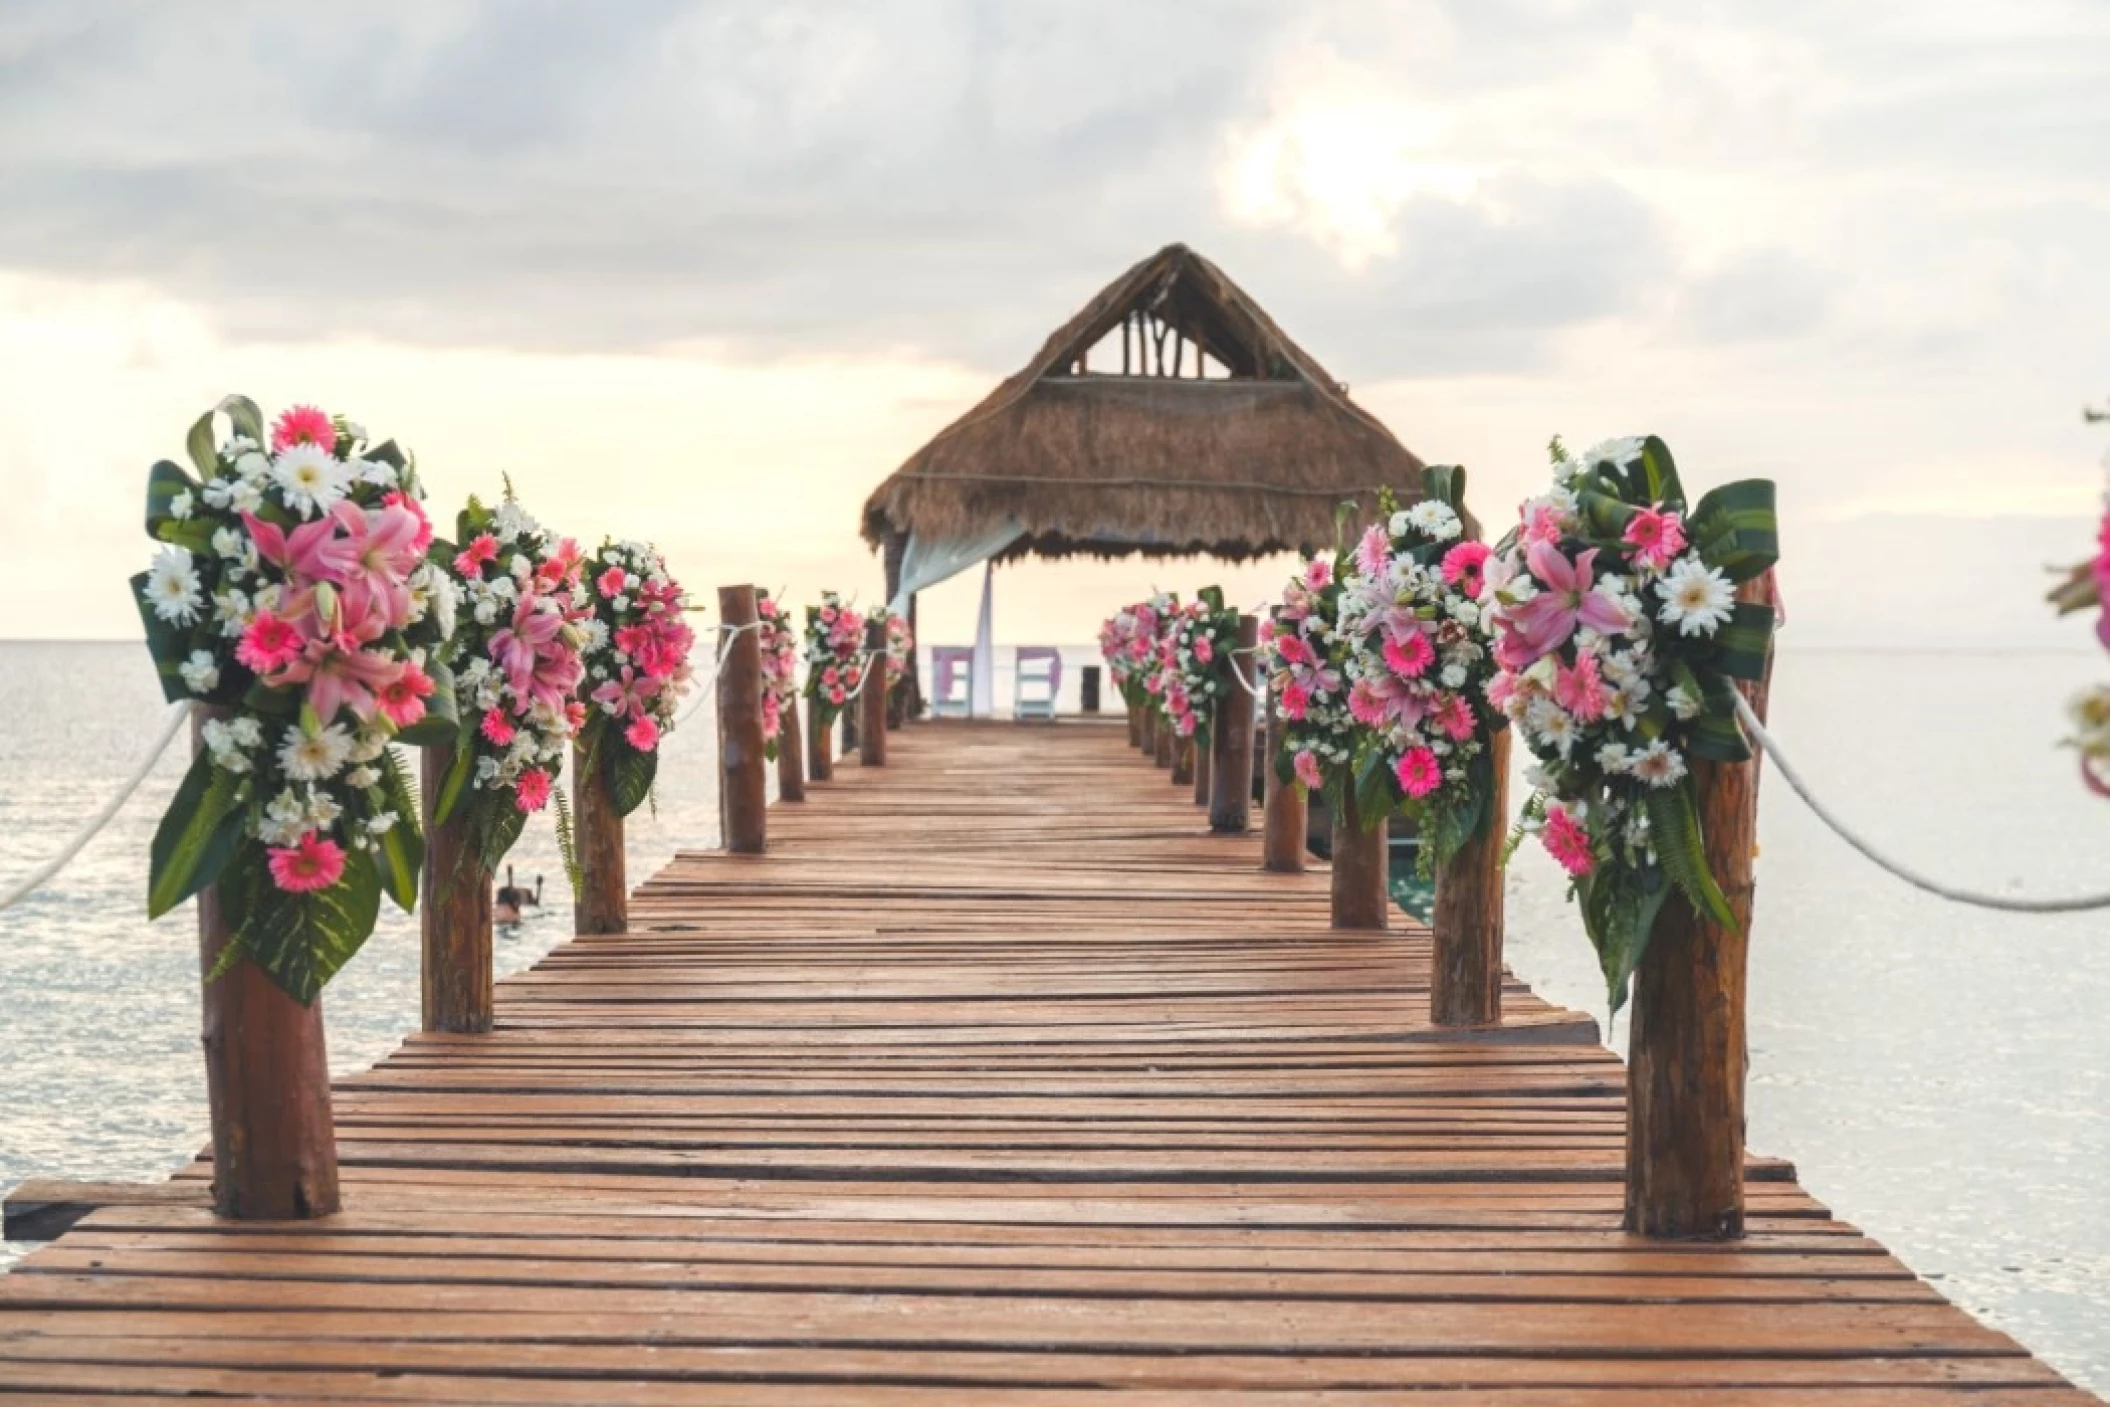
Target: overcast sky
707, 271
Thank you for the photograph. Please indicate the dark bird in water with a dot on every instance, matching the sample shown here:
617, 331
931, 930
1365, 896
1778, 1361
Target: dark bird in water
512, 899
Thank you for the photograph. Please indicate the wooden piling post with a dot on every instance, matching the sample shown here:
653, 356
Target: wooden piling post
1201, 768
871, 729
743, 785
1147, 728
454, 915
791, 753
1362, 894
1135, 726
604, 889
1231, 737
1166, 741
267, 1078
1183, 751
1466, 983
820, 746
1687, 1054
849, 725
1286, 818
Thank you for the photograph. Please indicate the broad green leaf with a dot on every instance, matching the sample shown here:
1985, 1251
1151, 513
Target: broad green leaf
1660, 473
1674, 827
1212, 597
1736, 528
1638, 919
497, 831
303, 940
1715, 734
241, 412
1445, 483
196, 838
203, 447
1745, 644
164, 481
454, 785
630, 775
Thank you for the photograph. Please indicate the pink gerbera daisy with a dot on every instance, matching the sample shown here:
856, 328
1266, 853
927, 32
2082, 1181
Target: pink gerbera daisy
1306, 766
481, 549
1463, 566
303, 425
309, 864
610, 582
1655, 535
269, 644
642, 734
531, 792
497, 729
1567, 841
1419, 772
1410, 657
402, 701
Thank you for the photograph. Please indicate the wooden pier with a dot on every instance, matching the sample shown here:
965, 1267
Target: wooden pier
998, 1080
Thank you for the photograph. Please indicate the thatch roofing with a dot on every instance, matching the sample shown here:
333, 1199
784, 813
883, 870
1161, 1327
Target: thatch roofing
1170, 465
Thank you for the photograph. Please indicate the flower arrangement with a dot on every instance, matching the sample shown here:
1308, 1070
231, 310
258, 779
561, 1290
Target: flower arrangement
780, 668
2087, 588
1617, 634
518, 659
900, 644
293, 591
835, 658
1128, 643
1156, 677
1307, 655
637, 667
1199, 638
1417, 668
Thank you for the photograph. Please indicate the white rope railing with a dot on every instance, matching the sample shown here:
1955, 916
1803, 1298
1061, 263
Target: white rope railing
43, 875
1763, 741
727, 634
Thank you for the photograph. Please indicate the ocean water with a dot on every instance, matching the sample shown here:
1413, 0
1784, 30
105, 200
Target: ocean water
1941, 1075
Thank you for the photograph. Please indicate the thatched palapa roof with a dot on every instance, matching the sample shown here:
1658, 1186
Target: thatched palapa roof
1250, 457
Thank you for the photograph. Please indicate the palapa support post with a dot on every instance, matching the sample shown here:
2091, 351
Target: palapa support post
1465, 987
267, 1078
1201, 767
1687, 1056
1166, 742
597, 830
1183, 750
1088, 689
743, 783
454, 914
871, 729
1147, 730
1362, 896
791, 753
820, 746
1231, 738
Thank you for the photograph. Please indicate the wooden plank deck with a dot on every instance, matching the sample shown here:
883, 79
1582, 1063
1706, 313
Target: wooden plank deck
997, 1081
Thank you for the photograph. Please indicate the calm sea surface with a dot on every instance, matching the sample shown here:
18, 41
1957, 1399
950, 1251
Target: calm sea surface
1940, 1075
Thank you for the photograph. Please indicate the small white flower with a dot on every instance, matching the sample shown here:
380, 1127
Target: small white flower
382, 822
1435, 520
1614, 757
252, 465
621, 603
1399, 524
172, 586
1453, 676
229, 742
180, 506
321, 810
309, 478
369, 745
486, 611
1657, 765
354, 430
373, 471
1697, 598
285, 819
1683, 702
215, 492
245, 496
236, 446
315, 757
200, 674
362, 777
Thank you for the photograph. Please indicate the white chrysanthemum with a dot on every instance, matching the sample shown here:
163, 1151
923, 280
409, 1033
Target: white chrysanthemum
172, 586
1658, 765
180, 506
315, 757
1619, 451
1436, 520
1552, 723
310, 479
1697, 598
201, 675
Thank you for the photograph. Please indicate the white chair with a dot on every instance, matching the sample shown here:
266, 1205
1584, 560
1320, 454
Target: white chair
1039, 681
951, 686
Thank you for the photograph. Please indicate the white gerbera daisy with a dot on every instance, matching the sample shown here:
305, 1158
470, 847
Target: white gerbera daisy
200, 674
309, 478
315, 757
172, 586
1697, 598
1658, 765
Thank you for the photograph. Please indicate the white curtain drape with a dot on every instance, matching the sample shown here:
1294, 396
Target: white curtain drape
925, 563
981, 678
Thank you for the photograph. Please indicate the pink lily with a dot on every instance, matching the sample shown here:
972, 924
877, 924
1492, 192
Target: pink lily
1545, 622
